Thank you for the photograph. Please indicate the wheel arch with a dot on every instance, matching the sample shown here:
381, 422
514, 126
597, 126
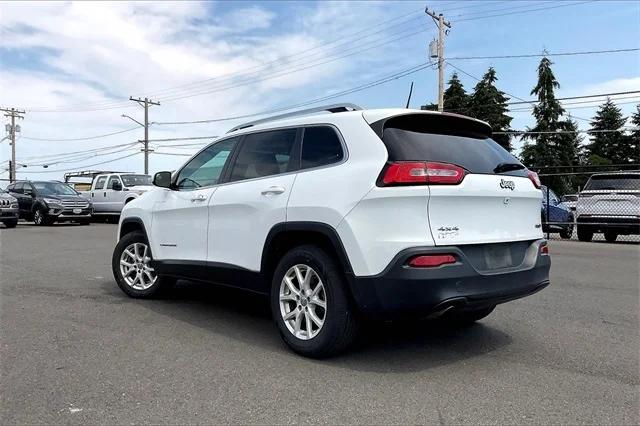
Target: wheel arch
285, 236
132, 224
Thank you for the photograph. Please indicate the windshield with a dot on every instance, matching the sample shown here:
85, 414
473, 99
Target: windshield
608, 182
53, 188
136, 180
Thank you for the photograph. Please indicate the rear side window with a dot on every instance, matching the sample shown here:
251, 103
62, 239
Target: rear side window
265, 154
320, 146
433, 138
100, 182
628, 182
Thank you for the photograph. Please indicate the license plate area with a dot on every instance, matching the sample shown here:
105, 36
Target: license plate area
497, 256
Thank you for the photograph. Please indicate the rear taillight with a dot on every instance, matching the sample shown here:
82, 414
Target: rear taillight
431, 260
533, 176
544, 249
422, 173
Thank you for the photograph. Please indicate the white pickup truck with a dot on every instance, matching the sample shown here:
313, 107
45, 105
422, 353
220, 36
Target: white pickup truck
110, 191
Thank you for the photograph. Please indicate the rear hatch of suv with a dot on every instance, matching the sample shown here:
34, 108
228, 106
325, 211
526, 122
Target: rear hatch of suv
478, 192
611, 195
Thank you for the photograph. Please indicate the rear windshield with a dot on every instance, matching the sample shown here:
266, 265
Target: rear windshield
606, 182
477, 155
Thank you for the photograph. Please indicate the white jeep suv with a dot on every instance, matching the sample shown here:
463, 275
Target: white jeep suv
340, 213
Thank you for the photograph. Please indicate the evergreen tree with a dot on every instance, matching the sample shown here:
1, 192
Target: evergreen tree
548, 148
489, 104
632, 146
611, 146
456, 99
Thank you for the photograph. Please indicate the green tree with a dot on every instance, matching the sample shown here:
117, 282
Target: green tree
489, 104
607, 144
553, 141
632, 146
456, 99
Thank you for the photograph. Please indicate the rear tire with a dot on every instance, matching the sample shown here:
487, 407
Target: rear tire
467, 317
134, 287
584, 235
12, 223
321, 321
567, 232
610, 236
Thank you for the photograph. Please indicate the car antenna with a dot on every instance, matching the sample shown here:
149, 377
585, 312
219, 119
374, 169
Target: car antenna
410, 92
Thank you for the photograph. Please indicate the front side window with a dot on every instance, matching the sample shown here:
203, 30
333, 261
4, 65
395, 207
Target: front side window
205, 169
17, 188
100, 182
320, 146
265, 154
112, 180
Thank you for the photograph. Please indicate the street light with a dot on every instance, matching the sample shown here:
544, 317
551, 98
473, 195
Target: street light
132, 119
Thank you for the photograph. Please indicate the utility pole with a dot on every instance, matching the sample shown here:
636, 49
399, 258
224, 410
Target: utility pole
145, 104
13, 114
439, 20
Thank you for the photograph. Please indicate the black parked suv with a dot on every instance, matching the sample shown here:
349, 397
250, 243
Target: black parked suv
46, 202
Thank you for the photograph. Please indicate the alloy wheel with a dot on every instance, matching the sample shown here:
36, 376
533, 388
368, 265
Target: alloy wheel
135, 268
303, 301
38, 218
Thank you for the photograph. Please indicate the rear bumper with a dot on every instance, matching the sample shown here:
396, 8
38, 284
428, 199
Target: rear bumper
620, 224
401, 290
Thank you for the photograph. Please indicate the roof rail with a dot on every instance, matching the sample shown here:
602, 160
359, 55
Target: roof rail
327, 108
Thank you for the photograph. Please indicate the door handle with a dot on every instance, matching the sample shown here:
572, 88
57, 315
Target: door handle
198, 198
273, 190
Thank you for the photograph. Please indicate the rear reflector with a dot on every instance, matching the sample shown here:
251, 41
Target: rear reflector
431, 260
533, 176
422, 173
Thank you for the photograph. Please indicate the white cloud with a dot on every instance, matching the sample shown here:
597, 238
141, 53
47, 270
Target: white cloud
89, 52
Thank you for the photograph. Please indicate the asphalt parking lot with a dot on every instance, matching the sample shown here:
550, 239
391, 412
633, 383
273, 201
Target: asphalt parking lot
76, 350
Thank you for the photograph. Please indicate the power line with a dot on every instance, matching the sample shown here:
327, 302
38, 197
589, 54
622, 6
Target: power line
524, 11
395, 76
82, 167
540, 55
532, 103
81, 139
517, 132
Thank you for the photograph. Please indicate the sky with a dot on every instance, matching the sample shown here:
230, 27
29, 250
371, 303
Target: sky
73, 66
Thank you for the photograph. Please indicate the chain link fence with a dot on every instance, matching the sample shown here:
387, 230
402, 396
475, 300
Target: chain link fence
591, 203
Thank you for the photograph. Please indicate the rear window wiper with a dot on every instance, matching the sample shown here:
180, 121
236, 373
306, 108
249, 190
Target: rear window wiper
506, 167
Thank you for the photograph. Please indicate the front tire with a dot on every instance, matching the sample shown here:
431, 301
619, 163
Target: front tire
311, 305
12, 223
610, 236
131, 268
40, 217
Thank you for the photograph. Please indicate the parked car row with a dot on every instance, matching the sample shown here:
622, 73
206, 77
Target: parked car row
608, 204
47, 202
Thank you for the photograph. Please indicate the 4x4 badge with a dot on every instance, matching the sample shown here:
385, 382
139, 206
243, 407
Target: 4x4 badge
507, 184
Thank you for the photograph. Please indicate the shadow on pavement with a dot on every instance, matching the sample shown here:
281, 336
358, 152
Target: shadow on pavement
392, 347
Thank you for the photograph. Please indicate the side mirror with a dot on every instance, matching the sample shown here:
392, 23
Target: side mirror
162, 179
116, 185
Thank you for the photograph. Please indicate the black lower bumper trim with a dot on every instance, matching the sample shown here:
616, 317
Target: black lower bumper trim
401, 290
